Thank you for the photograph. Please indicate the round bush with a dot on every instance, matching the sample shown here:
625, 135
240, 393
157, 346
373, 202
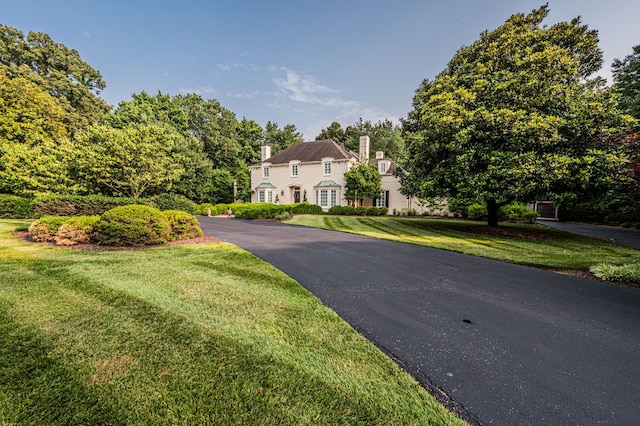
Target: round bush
183, 225
360, 210
174, 202
348, 210
133, 225
383, 211
335, 210
373, 211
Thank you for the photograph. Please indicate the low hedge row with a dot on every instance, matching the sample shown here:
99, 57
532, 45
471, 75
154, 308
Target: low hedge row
14, 207
270, 211
358, 211
132, 225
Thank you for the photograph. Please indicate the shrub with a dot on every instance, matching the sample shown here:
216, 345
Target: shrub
384, 211
133, 225
14, 207
222, 208
76, 230
620, 218
183, 225
629, 272
174, 202
80, 205
373, 211
517, 212
248, 214
360, 211
306, 208
45, 229
477, 211
348, 210
202, 209
336, 210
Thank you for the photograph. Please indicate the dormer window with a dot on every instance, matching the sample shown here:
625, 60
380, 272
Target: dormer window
382, 167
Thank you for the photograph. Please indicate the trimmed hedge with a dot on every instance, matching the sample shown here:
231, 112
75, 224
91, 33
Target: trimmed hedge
14, 207
133, 225
183, 225
63, 230
174, 202
203, 208
514, 212
81, 205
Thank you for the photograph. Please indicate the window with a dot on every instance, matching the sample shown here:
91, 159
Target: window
261, 196
294, 170
269, 196
326, 168
383, 201
265, 172
323, 198
334, 198
382, 167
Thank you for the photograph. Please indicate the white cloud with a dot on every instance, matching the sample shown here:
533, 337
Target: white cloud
206, 90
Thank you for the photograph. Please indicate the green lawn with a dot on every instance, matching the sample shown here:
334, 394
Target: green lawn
529, 245
191, 334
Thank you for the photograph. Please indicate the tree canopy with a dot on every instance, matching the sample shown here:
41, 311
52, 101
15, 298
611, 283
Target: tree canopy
361, 182
514, 116
58, 70
626, 76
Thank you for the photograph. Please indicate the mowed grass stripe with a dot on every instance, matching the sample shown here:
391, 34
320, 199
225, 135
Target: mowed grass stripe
538, 246
194, 334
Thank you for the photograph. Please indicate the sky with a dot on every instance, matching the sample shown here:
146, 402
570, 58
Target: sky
302, 62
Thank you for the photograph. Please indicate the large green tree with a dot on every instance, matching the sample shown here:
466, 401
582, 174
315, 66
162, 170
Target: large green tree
514, 116
280, 139
626, 77
34, 142
176, 115
132, 161
58, 70
362, 182
384, 135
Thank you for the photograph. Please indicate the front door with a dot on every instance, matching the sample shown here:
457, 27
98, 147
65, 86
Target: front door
296, 195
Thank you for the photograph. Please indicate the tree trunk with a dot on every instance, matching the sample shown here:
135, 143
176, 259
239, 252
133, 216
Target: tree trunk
492, 210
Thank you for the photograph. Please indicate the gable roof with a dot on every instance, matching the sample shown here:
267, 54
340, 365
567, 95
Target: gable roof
390, 167
310, 151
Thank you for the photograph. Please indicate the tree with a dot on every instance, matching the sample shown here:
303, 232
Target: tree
361, 182
626, 76
514, 116
58, 70
384, 135
34, 142
180, 116
333, 132
280, 139
131, 161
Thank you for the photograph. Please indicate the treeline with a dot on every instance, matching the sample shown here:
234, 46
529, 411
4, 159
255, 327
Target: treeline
57, 136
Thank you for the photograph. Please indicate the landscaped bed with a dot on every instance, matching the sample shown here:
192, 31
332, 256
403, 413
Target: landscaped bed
187, 334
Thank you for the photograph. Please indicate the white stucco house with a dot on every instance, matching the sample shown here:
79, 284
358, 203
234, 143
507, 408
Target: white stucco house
313, 172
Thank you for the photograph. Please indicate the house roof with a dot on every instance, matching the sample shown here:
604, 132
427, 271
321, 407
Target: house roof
265, 185
327, 183
306, 152
390, 168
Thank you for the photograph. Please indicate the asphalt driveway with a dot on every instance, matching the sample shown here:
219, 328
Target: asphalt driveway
622, 236
510, 344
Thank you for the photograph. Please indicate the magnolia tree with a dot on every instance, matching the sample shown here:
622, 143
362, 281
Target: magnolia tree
515, 116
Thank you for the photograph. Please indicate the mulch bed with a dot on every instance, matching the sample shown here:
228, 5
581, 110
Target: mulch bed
24, 236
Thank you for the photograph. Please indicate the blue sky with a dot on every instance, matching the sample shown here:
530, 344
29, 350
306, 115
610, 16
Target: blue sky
302, 62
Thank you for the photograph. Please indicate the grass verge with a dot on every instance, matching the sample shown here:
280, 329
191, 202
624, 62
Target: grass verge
529, 245
191, 334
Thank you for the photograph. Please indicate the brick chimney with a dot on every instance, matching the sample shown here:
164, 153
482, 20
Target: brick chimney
265, 153
379, 155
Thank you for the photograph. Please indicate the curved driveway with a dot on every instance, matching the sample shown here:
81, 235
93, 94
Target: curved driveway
512, 345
